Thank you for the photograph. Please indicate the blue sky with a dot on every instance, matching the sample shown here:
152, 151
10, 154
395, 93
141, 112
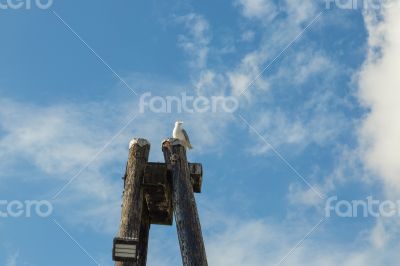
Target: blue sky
317, 97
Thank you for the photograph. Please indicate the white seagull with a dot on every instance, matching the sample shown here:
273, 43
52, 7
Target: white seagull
180, 133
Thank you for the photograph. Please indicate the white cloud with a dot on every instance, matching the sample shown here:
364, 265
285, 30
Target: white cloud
347, 168
248, 73
379, 140
60, 142
309, 64
236, 78
258, 242
300, 11
55, 137
232, 240
379, 91
255, 243
276, 128
264, 10
277, 35
248, 36
314, 122
197, 39
12, 259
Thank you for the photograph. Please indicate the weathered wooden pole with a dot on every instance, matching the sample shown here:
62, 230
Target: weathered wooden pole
186, 217
144, 236
133, 201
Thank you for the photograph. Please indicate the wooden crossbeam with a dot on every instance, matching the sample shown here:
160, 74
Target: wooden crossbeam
157, 190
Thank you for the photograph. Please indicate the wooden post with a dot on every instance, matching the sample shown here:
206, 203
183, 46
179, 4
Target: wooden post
144, 236
133, 200
186, 217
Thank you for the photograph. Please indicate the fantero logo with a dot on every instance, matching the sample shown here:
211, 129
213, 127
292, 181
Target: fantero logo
25, 4
187, 104
25, 209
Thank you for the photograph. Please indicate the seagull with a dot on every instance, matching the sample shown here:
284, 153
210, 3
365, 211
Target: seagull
180, 133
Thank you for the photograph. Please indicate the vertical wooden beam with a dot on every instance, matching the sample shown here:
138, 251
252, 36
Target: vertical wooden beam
144, 236
186, 217
132, 202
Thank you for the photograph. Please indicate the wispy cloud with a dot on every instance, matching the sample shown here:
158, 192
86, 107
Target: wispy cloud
264, 11
12, 259
197, 39
280, 34
256, 242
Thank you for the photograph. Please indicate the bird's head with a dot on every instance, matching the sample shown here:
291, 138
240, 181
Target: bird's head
178, 123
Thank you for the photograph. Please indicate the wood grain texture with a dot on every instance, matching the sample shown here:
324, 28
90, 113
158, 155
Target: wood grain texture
184, 205
133, 200
144, 236
157, 191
